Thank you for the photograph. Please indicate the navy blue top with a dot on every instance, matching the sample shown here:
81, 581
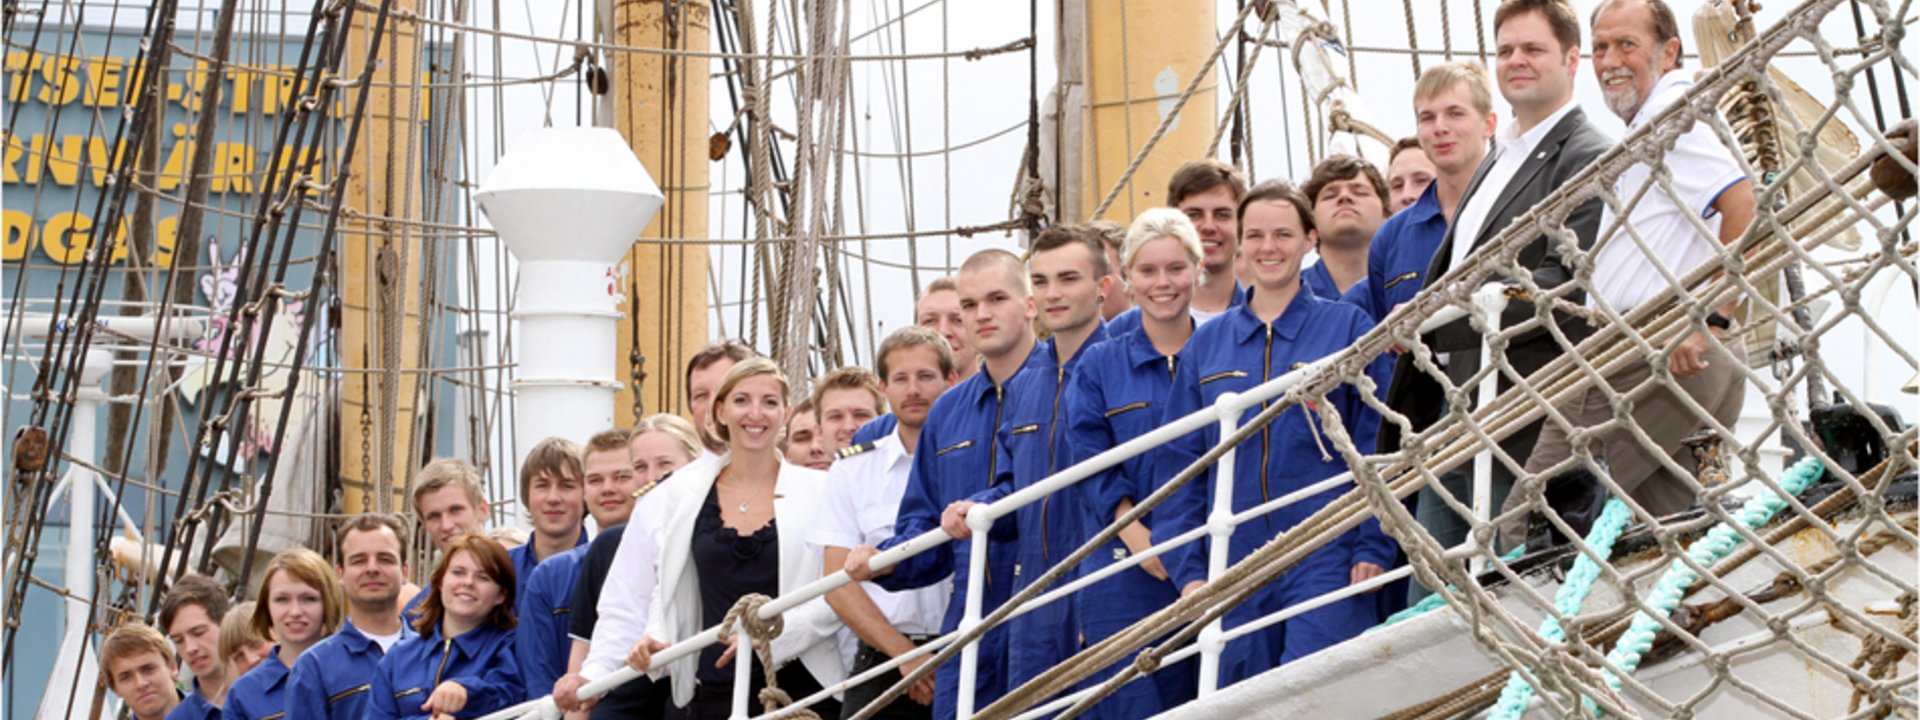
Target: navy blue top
524, 563
194, 706
261, 694
480, 660
730, 566
1402, 249
332, 679
544, 610
1319, 281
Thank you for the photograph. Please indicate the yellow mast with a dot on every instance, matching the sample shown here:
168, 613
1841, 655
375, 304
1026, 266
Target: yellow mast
660, 106
383, 283
1120, 73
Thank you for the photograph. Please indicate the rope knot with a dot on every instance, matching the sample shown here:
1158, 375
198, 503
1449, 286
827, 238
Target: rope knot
745, 616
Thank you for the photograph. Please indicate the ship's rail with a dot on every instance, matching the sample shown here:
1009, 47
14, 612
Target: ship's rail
1804, 203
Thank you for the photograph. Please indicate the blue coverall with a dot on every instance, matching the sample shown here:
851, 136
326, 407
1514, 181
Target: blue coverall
194, 706
332, 679
1032, 446
1397, 261
261, 694
545, 609
1234, 355
1114, 396
524, 563
955, 461
480, 660
875, 429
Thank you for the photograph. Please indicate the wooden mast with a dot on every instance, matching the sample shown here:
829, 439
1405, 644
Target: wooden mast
1119, 73
383, 277
660, 106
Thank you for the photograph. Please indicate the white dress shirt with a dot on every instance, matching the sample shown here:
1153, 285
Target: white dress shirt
862, 500
1511, 151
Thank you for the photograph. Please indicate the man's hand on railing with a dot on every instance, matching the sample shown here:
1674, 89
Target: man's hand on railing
566, 693
857, 560
641, 656
920, 692
1139, 539
1364, 571
1192, 587
954, 520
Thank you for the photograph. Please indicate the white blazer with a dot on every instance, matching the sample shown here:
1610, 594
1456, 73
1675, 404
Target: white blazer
811, 628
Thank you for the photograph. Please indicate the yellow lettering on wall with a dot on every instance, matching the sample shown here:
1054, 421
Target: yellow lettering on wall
97, 161
105, 76
63, 159
16, 228
60, 83
8, 173
67, 236
36, 158
166, 235
235, 171
174, 171
20, 80
241, 94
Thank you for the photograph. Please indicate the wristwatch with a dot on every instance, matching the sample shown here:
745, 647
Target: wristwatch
1719, 321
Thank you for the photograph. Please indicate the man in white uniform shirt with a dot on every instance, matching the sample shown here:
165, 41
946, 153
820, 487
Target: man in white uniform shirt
863, 493
1636, 56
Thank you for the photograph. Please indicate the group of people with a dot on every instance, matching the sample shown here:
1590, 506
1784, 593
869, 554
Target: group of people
1018, 367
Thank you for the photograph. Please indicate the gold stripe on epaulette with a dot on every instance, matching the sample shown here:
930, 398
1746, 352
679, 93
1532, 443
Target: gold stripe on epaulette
1223, 376
644, 489
962, 445
347, 693
1129, 407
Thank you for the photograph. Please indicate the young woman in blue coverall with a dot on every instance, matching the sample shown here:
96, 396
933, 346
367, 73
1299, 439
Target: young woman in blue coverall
462, 662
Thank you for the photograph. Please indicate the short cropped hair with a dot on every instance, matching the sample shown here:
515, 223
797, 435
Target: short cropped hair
1402, 145
1158, 223
1200, 176
492, 558
1279, 191
913, 336
1059, 236
1112, 234
744, 369
554, 456
607, 441
673, 425
724, 350
943, 283
236, 631
1437, 79
1344, 167
1560, 16
368, 522
1007, 261
852, 377
311, 570
193, 589
1665, 27
444, 472
131, 640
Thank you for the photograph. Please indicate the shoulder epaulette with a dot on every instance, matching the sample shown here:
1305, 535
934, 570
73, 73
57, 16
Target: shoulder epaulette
852, 450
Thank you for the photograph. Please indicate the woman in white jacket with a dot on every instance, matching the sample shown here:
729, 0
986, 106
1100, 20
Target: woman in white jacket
739, 526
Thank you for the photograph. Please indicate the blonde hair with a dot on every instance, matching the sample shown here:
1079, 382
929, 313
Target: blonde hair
1158, 223
236, 631
554, 456
1447, 75
442, 472
672, 425
311, 570
134, 639
747, 368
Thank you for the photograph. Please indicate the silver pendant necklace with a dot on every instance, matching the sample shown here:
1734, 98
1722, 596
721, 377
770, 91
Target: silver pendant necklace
743, 507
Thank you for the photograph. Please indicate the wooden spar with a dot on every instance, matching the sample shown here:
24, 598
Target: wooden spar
383, 281
1120, 72
660, 106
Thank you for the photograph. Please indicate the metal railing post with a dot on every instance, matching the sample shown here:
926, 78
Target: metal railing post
742, 673
1220, 528
981, 524
1493, 301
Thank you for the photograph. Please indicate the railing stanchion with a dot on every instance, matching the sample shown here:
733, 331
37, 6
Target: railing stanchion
981, 525
1493, 300
1220, 527
742, 673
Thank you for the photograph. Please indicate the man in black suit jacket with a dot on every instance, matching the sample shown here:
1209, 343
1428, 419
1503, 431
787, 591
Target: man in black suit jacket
1549, 141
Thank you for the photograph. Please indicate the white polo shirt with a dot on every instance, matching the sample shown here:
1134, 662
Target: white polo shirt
1700, 168
863, 497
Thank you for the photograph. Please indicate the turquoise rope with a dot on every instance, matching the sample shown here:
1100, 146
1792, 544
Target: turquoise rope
1568, 600
1434, 600
1720, 541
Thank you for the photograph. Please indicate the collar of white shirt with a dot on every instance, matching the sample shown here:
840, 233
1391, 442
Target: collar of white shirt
1675, 81
1512, 140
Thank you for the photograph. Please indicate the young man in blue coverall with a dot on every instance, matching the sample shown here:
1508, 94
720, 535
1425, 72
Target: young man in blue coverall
330, 680
954, 467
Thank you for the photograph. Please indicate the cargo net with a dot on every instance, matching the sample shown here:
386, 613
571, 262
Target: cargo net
1651, 522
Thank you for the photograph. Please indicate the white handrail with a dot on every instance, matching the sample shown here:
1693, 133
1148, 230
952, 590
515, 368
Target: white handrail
980, 519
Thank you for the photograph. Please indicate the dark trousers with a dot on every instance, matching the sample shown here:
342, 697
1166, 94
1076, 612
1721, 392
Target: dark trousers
862, 695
